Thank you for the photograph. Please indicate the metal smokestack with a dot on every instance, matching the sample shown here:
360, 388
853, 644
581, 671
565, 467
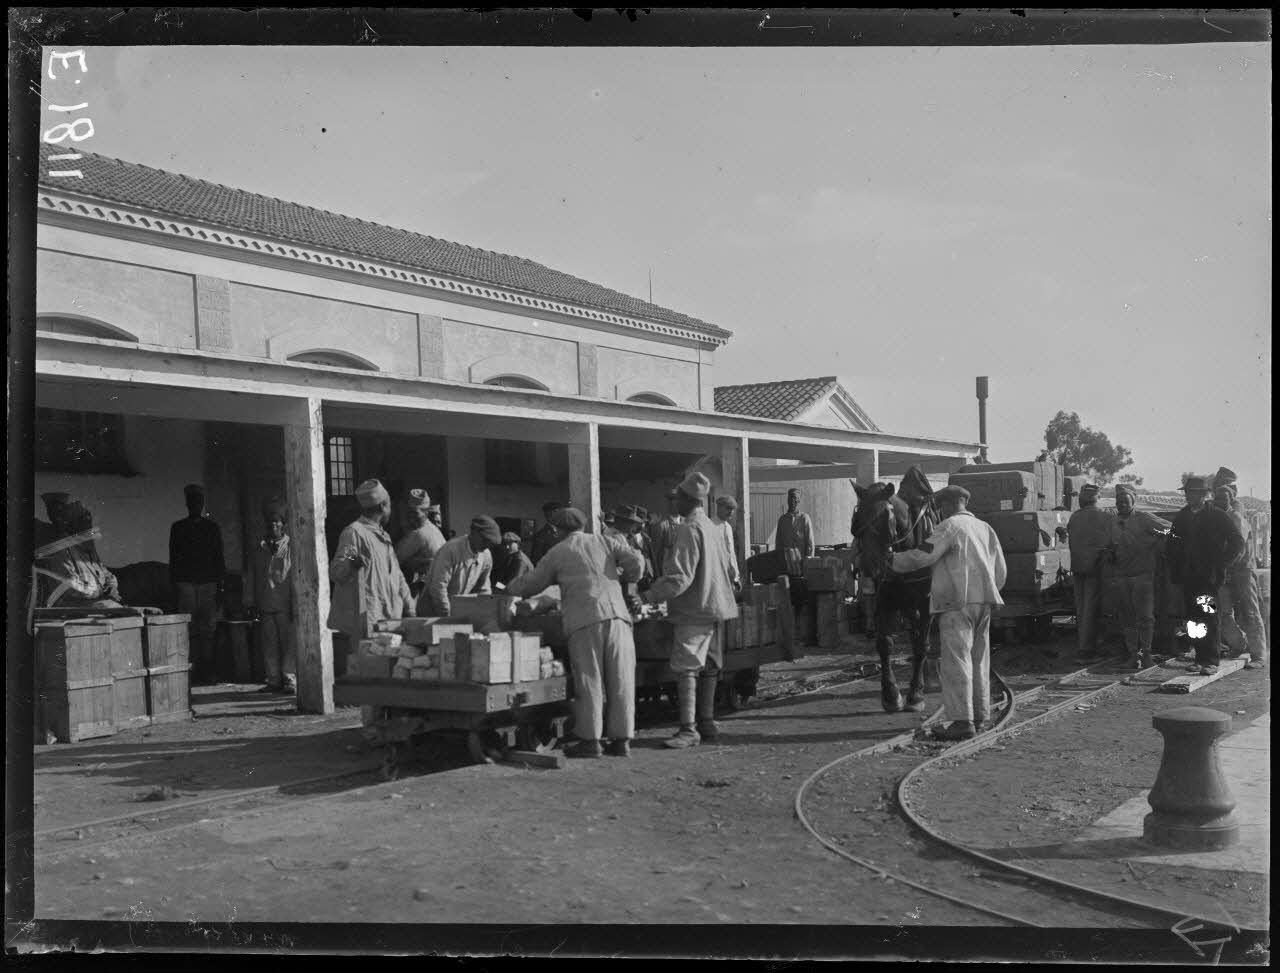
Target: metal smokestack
982, 417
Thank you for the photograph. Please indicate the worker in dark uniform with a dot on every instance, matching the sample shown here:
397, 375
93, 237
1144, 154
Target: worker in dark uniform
197, 570
510, 563
545, 537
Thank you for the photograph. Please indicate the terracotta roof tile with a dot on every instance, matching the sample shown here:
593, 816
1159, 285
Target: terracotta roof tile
774, 400
130, 183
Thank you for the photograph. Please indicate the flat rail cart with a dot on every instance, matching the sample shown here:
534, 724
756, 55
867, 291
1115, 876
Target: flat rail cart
496, 719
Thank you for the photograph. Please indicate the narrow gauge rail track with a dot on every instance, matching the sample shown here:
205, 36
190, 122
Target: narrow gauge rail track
1042, 899
160, 818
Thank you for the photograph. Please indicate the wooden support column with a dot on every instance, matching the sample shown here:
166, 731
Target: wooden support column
584, 475
868, 466
305, 492
735, 456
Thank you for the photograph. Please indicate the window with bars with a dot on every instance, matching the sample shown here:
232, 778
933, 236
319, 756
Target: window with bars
80, 442
342, 466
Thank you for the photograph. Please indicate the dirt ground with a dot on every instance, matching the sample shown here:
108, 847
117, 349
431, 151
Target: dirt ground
702, 836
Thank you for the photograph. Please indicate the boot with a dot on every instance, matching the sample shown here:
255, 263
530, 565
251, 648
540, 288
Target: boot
618, 748
687, 688
707, 685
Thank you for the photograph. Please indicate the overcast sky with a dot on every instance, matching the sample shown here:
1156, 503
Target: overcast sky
1089, 226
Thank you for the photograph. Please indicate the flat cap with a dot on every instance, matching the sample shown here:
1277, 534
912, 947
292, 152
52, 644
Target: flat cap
1224, 476
487, 528
952, 494
628, 514
569, 518
695, 486
1196, 483
510, 536
1088, 490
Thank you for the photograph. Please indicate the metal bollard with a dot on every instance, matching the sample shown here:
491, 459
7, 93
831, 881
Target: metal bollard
1192, 808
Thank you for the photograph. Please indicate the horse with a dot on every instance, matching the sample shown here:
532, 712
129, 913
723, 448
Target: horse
881, 525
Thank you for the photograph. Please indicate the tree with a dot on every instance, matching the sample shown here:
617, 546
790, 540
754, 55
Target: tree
1081, 450
1131, 478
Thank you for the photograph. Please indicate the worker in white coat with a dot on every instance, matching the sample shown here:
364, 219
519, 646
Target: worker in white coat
597, 620
968, 573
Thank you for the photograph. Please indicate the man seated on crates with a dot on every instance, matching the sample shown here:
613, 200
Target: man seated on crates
694, 582
273, 599
1239, 601
597, 620
1136, 540
968, 573
464, 566
1088, 534
69, 573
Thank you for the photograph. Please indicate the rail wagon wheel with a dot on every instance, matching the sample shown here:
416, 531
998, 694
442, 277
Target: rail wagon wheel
390, 769
485, 746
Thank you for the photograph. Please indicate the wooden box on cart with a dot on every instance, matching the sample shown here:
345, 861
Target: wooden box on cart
128, 673
999, 490
75, 694
166, 645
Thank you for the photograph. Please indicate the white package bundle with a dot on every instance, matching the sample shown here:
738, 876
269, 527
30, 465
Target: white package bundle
388, 638
544, 670
544, 654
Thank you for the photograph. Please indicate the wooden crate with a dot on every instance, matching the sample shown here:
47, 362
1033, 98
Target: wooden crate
75, 694
830, 619
526, 656
166, 646
486, 613
128, 673
489, 658
372, 666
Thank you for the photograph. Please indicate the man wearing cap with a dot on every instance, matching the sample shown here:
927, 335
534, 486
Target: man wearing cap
273, 598
546, 535
695, 583
1203, 545
464, 566
1088, 534
968, 573
630, 521
662, 535
197, 570
597, 620
368, 585
421, 542
726, 510
511, 563
1136, 540
794, 536
1239, 601
436, 516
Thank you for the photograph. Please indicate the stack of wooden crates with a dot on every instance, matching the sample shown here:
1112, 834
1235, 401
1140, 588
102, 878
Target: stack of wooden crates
1018, 500
96, 676
829, 579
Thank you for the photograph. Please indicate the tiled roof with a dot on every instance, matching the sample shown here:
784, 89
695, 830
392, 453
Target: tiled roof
774, 400
129, 183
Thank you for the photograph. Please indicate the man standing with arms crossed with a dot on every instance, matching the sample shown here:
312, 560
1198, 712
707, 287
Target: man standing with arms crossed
197, 570
1088, 533
968, 573
694, 582
1136, 538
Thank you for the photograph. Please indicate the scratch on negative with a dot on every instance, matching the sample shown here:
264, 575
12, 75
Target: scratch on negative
1214, 26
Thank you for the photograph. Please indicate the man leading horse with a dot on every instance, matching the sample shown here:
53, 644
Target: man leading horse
889, 521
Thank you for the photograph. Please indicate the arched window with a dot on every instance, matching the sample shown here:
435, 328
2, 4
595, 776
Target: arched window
517, 382
337, 359
650, 398
81, 327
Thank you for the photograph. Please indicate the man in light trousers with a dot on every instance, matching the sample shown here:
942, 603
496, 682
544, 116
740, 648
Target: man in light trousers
1137, 538
968, 573
695, 582
597, 619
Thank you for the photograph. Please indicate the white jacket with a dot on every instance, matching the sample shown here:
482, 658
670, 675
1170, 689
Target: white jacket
968, 565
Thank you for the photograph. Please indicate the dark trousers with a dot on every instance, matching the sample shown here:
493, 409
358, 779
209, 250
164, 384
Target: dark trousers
1200, 605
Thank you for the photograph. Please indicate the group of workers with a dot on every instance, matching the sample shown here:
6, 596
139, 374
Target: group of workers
1205, 547
1207, 553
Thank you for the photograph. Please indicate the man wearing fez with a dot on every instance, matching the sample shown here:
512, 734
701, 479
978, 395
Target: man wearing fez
968, 573
421, 542
1239, 601
694, 582
197, 570
597, 620
511, 563
464, 566
368, 585
1088, 534
273, 597
1136, 540
546, 535
1202, 547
